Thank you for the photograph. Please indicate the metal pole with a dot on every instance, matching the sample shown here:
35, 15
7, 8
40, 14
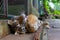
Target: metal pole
36, 4
26, 7
29, 6
5, 8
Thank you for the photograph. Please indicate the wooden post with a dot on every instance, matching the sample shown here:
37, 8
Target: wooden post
5, 8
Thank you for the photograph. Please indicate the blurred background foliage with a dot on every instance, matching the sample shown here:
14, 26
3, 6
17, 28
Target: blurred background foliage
54, 12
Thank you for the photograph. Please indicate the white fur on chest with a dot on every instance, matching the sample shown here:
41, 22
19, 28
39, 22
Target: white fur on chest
36, 25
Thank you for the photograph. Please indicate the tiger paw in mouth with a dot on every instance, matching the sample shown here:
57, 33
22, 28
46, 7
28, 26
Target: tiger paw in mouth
46, 24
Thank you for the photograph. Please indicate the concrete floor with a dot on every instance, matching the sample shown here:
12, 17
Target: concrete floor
18, 37
53, 33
